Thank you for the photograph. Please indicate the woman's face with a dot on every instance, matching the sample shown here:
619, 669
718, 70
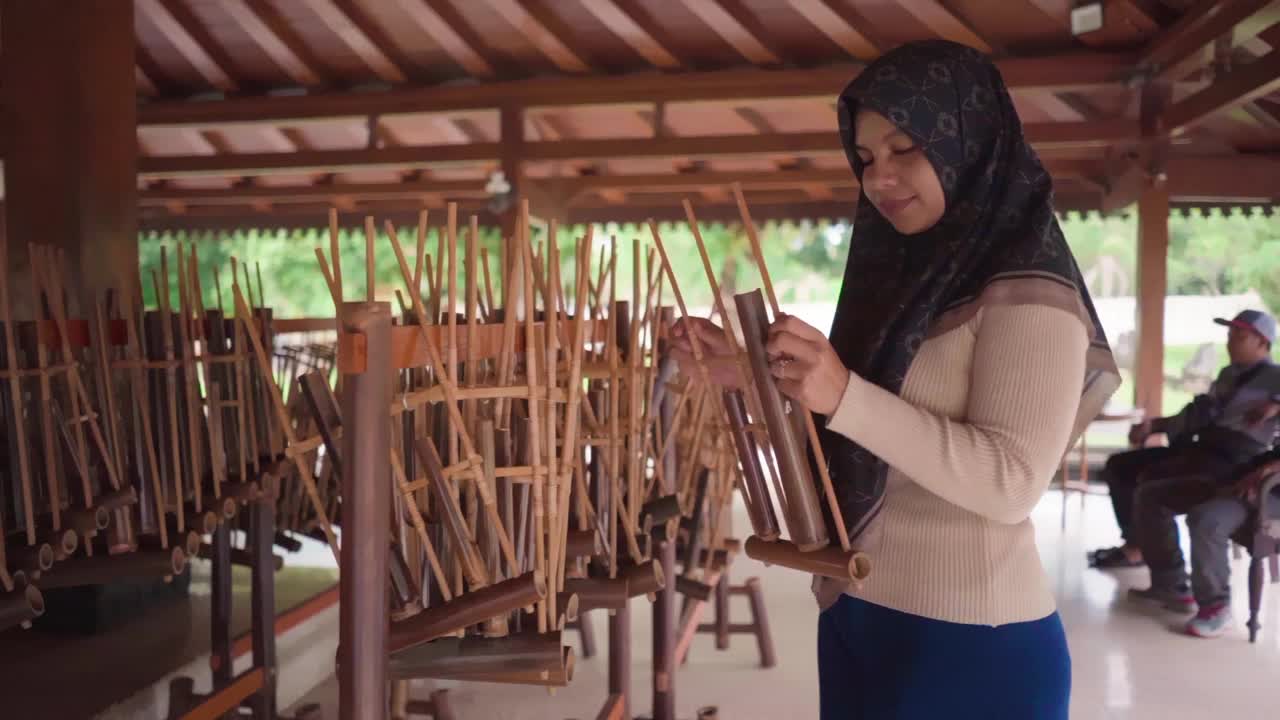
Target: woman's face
896, 176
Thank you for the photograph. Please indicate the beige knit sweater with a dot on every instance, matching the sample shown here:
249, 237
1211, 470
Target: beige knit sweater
972, 443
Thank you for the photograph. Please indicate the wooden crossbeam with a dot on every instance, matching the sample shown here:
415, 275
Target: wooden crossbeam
1255, 80
1098, 134
1189, 41
1075, 71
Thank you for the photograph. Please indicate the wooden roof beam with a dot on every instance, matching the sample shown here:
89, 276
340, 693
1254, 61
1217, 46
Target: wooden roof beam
271, 32
198, 51
624, 25
840, 25
944, 23
145, 84
1188, 43
733, 31
1057, 73
358, 33
1243, 84
1098, 135
429, 15
554, 48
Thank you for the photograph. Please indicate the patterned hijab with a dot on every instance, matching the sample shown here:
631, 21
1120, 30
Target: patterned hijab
998, 241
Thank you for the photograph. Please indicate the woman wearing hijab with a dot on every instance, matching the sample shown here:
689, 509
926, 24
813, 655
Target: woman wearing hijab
965, 355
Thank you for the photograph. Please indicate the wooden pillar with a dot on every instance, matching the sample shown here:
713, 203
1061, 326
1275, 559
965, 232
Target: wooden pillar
70, 150
366, 516
1153, 253
511, 129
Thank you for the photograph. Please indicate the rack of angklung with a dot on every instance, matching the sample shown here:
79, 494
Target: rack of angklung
500, 467
764, 424
133, 438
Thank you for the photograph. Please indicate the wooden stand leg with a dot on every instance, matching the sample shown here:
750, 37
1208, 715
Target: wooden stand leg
220, 602
588, 634
664, 639
760, 619
620, 656
261, 535
722, 613
437, 708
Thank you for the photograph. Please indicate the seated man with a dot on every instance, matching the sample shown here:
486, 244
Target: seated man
1211, 526
1247, 415
1226, 420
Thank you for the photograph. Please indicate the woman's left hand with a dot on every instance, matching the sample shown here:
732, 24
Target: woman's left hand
805, 365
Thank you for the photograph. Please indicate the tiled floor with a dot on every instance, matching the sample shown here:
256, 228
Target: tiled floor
1128, 661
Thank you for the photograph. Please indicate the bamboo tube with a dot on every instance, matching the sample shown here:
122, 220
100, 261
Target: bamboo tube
599, 593
32, 559
466, 610
583, 543
335, 252
451, 407
805, 524
103, 568
282, 416
64, 542
142, 408
814, 443
15, 400
51, 478
21, 605
451, 514
170, 381
645, 578
756, 493
830, 561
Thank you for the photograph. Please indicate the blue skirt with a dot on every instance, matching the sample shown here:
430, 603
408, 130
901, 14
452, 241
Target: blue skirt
880, 664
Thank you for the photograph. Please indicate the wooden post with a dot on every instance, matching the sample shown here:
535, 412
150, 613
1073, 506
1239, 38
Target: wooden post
70, 165
1153, 252
366, 514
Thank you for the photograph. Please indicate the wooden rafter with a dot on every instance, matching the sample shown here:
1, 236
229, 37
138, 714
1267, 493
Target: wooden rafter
732, 30
1095, 134
1188, 43
624, 25
1079, 71
944, 23
360, 35
191, 40
271, 32
840, 25
1243, 84
428, 15
554, 48
145, 84
573, 187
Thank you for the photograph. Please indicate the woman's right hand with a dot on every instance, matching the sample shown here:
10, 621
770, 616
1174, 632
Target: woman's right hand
717, 354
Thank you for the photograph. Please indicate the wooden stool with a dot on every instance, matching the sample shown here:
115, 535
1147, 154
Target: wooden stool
759, 625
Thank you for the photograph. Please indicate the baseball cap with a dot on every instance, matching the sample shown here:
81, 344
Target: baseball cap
1255, 320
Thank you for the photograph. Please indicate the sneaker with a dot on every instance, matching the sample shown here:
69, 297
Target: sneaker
1177, 599
1211, 621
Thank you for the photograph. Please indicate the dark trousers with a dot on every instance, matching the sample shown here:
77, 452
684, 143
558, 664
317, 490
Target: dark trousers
875, 663
1121, 473
1211, 525
1166, 490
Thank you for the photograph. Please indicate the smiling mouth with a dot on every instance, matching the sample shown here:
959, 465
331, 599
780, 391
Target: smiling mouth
893, 207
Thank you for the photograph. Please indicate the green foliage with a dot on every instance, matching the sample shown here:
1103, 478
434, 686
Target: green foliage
1210, 253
